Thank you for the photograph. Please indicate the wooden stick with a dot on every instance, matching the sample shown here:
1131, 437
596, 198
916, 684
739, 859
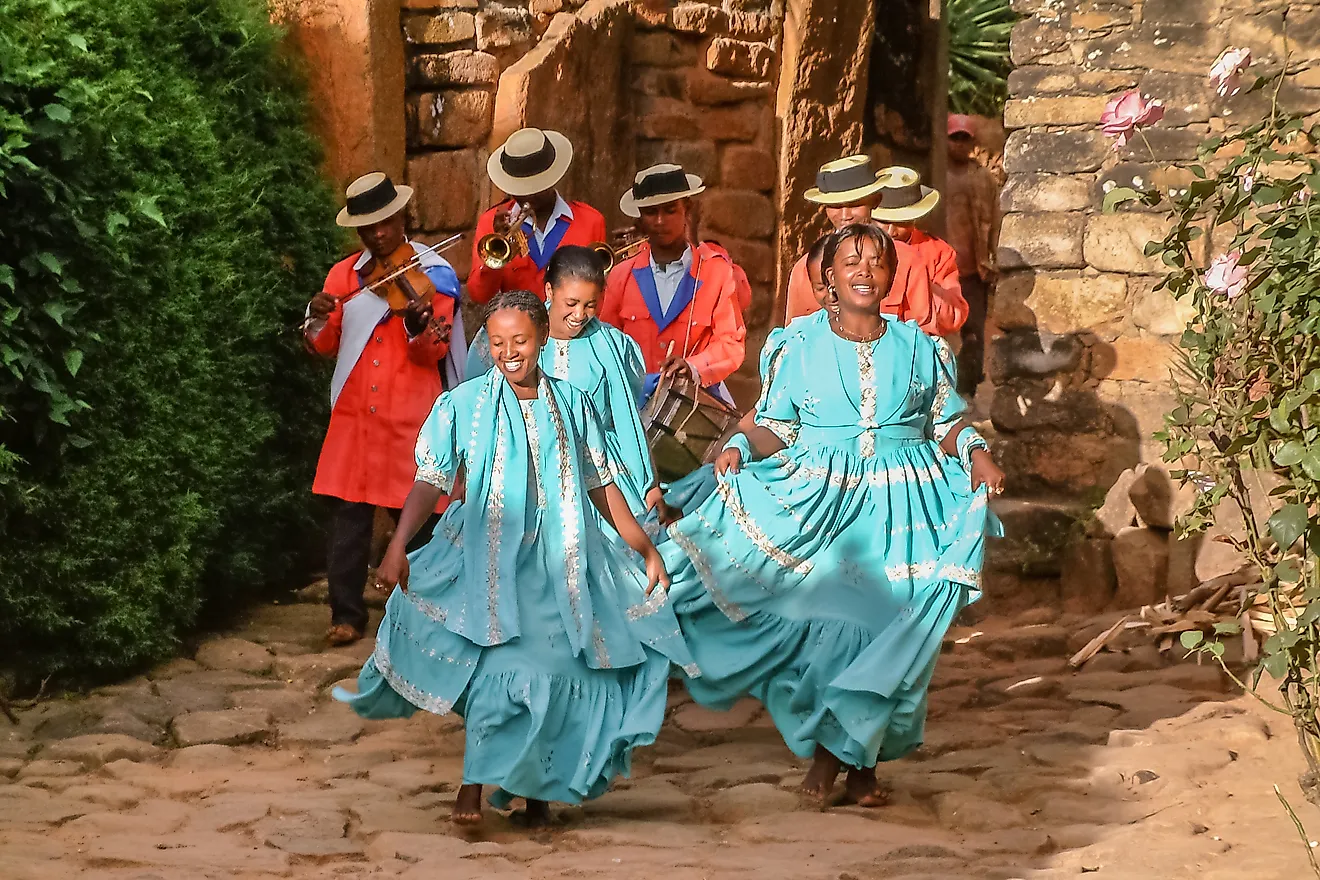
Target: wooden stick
1093, 647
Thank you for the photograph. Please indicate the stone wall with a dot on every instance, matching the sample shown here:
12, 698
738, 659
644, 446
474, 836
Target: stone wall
1082, 368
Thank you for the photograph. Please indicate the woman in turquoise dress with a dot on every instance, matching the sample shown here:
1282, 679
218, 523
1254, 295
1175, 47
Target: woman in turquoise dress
845, 532
520, 614
603, 362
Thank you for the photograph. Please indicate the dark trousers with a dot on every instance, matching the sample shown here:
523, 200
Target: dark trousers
350, 556
971, 360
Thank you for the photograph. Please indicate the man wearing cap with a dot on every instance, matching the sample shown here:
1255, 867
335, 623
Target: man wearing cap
681, 301
903, 202
528, 167
848, 190
388, 373
973, 228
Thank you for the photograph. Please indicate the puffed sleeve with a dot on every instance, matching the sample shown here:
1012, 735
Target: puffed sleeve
479, 360
594, 456
776, 410
947, 405
438, 453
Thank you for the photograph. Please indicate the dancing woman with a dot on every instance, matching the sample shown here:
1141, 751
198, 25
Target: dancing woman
845, 533
521, 615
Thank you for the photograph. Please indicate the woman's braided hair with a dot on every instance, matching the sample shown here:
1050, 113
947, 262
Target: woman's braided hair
522, 301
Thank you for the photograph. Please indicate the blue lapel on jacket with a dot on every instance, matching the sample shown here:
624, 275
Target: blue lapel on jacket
542, 257
687, 289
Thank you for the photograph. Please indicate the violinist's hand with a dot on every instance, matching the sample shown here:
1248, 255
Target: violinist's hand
416, 317
441, 328
322, 305
729, 461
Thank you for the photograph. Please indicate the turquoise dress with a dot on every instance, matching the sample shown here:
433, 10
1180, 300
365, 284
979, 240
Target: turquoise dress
821, 580
606, 364
521, 615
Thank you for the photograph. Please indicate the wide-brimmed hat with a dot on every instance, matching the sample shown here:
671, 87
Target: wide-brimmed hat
530, 161
659, 185
844, 182
372, 198
902, 197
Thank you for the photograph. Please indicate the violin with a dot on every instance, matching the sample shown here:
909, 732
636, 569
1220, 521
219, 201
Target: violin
399, 279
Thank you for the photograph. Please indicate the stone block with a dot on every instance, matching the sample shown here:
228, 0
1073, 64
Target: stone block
667, 118
696, 157
743, 802
664, 49
504, 27
237, 655
1054, 80
1152, 496
546, 8
1116, 242
439, 28
745, 122
230, 727
710, 89
1087, 581
1118, 512
757, 258
317, 670
1141, 566
1179, 11
1041, 241
446, 184
660, 82
1165, 144
1055, 152
94, 750
1038, 41
1051, 193
739, 58
1186, 96
1026, 405
1180, 48
1143, 359
451, 118
745, 167
1070, 110
698, 18
462, 68
1157, 311
1036, 532
1059, 302
750, 25
438, 4
738, 212
1028, 354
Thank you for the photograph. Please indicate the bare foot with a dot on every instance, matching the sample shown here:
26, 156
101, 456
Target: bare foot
536, 815
467, 806
820, 778
863, 789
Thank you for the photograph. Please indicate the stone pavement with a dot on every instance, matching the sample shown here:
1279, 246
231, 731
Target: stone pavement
237, 764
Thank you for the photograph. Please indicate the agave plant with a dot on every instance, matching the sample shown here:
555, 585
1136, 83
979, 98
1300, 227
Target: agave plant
978, 54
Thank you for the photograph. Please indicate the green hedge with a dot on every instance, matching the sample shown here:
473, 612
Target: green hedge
162, 222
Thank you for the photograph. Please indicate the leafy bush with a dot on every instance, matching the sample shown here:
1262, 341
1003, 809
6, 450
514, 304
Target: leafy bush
162, 221
978, 55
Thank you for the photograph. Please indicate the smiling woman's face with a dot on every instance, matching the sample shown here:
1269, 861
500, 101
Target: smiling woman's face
572, 306
860, 275
515, 345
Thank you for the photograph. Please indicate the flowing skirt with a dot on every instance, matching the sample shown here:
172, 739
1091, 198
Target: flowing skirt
822, 582
541, 721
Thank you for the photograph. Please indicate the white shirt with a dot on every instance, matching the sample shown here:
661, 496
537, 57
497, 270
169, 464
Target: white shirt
561, 210
668, 277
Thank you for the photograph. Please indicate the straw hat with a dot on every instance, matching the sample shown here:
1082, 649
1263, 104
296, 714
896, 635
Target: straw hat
659, 185
530, 161
372, 198
844, 181
902, 197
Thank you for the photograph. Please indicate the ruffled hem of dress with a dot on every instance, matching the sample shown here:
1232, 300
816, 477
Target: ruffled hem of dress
832, 683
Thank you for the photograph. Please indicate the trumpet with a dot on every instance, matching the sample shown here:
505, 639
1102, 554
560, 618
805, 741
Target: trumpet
497, 249
612, 256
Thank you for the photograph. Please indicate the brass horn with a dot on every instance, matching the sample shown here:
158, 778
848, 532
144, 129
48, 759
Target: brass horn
612, 256
496, 249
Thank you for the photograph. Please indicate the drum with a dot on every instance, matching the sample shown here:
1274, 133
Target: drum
686, 427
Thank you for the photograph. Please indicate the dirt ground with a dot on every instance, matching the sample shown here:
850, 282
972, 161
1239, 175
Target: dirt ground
239, 765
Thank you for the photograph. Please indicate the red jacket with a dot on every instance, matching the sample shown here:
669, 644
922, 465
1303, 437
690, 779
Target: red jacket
942, 263
716, 344
586, 228
368, 454
912, 297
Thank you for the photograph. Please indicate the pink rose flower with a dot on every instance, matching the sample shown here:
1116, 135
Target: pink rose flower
1226, 73
1226, 276
1128, 112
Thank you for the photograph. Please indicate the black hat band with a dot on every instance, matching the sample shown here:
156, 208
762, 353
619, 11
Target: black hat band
662, 183
530, 165
371, 201
845, 179
900, 196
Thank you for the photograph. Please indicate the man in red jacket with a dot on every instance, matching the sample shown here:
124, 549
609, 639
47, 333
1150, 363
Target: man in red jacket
681, 301
388, 373
528, 167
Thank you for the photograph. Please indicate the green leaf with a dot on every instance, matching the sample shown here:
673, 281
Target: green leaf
115, 221
1117, 196
58, 112
1311, 465
1288, 572
52, 263
1279, 419
73, 360
1216, 648
147, 207
1228, 627
1191, 639
7, 276
57, 311
78, 42
1152, 248
1289, 453
1276, 665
